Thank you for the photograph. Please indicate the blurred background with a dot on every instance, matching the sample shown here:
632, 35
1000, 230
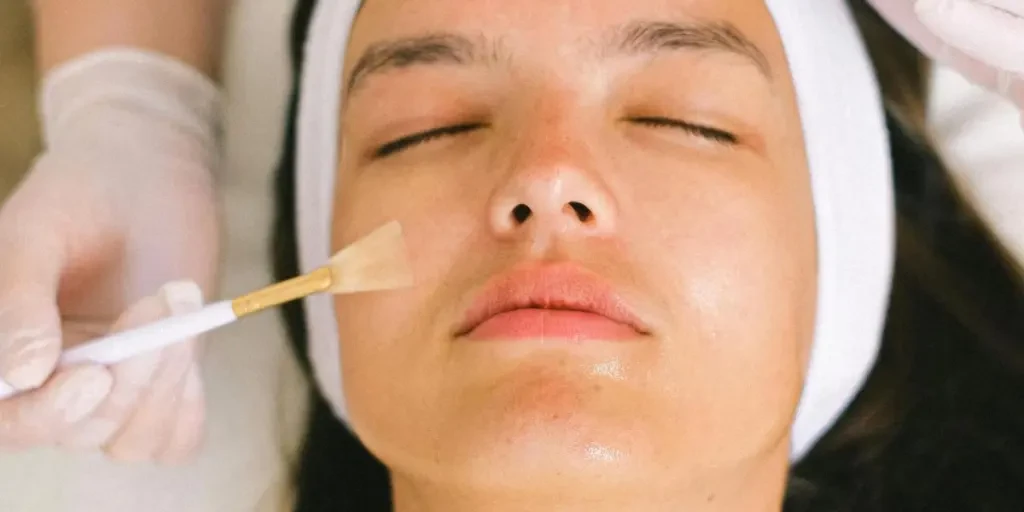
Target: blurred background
255, 392
19, 130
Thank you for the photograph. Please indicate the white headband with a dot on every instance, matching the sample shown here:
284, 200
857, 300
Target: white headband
848, 153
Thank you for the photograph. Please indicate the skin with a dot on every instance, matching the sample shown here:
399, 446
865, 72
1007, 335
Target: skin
711, 242
189, 30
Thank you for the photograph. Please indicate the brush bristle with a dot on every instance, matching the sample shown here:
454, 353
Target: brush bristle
378, 261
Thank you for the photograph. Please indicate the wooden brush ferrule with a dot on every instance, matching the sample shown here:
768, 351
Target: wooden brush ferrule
317, 281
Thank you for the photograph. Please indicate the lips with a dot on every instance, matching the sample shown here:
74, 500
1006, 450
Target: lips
550, 301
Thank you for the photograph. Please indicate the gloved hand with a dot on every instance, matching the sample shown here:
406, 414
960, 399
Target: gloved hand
120, 202
982, 39
150, 407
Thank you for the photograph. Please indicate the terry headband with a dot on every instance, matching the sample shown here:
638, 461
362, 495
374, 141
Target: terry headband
848, 155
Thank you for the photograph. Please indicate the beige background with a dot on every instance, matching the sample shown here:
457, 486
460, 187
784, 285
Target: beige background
19, 139
255, 393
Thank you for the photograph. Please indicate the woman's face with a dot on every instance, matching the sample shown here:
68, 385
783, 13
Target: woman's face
640, 163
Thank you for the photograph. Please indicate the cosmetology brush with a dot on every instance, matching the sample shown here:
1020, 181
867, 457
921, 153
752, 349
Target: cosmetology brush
378, 261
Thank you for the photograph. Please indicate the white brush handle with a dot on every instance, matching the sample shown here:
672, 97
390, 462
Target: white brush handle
126, 344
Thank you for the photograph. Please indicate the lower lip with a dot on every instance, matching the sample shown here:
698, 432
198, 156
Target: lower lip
524, 324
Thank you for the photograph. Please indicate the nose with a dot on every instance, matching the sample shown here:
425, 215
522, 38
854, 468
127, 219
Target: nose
553, 198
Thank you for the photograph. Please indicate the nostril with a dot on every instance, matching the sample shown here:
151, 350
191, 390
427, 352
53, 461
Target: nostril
582, 212
521, 212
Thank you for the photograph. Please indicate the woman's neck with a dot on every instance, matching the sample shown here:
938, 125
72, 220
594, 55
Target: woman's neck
757, 487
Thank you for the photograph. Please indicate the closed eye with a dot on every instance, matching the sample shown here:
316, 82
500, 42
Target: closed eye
409, 141
707, 132
416, 139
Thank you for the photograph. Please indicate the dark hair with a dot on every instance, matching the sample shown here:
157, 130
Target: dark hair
938, 426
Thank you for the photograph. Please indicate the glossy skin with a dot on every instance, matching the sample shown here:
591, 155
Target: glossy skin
708, 235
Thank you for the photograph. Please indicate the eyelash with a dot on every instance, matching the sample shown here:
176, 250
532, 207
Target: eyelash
712, 134
423, 137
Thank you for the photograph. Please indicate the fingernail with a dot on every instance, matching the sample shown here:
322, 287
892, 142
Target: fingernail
82, 392
182, 296
29, 360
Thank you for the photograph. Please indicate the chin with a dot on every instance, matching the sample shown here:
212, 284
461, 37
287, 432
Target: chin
549, 434
549, 458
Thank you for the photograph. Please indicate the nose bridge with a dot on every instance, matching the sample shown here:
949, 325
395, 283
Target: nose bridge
552, 185
554, 133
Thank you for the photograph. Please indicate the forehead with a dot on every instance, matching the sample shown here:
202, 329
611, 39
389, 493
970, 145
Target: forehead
553, 28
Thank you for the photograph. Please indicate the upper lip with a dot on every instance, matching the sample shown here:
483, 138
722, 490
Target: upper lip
548, 286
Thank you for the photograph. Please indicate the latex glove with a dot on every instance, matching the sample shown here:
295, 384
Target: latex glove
982, 39
121, 201
148, 408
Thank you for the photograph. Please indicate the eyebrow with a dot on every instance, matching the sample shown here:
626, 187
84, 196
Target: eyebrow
643, 37
402, 53
654, 37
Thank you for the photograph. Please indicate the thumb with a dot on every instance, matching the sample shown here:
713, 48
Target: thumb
30, 337
30, 322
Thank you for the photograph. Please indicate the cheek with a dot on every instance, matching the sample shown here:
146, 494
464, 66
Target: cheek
388, 339
736, 257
